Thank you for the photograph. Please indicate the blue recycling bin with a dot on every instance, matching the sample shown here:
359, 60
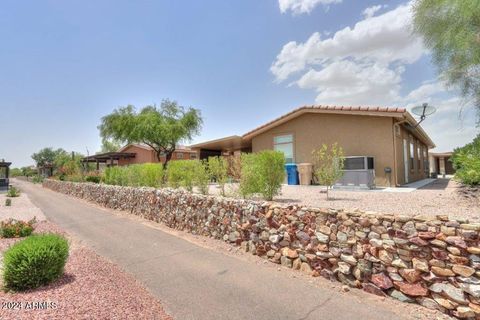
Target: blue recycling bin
292, 173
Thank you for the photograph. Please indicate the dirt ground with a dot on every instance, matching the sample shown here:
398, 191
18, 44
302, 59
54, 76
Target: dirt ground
443, 196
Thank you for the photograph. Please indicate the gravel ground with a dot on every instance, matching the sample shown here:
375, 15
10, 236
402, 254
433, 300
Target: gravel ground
91, 288
444, 196
21, 208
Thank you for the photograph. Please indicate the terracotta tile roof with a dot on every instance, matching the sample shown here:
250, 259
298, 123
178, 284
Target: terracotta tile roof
333, 109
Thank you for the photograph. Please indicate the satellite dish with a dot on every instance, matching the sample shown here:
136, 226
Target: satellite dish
423, 111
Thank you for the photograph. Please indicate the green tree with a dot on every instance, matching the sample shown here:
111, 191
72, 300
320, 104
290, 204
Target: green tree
218, 169
47, 156
328, 165
109, 145
451, 30
16, 172
160, 128
466, 161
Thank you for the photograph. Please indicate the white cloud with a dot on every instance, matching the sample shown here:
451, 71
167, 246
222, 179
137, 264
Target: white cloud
351, 83
372, 54
302, 6
370, 11
425, 92
365, 65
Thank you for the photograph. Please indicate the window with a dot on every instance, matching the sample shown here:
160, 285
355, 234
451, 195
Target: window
179, 155
419, 155
412, 156
193, 156
284, 144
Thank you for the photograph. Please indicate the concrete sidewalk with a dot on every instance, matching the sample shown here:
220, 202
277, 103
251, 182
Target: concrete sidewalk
195, 282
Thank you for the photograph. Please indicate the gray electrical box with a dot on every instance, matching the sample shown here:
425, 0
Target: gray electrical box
359, 173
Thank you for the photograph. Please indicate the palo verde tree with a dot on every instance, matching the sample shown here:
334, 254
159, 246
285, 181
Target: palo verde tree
451, 30
160, 128
109, 145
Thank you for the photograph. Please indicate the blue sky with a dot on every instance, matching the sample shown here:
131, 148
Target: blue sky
65, 64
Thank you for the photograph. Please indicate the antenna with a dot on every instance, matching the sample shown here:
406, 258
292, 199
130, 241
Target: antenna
423, 111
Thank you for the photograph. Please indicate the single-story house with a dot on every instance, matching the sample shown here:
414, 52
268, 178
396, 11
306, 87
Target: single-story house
137, 153
399, 147
145, 154
440, 163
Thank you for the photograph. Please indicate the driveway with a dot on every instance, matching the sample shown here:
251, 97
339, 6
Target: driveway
194, 282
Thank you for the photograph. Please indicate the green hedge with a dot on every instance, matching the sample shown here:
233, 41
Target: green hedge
35, 261
466, 161
262, 173
136, 175
188, 174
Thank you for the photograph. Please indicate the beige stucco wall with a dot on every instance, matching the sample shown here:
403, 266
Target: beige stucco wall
147, 156
357, 135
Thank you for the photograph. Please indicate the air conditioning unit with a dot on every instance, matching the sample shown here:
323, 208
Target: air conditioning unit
359, 173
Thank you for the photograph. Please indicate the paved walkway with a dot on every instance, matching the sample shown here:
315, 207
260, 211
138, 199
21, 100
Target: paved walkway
194, 282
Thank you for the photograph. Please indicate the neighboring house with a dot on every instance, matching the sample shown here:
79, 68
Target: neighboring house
440, 163
145, 154
137, 153
389, 135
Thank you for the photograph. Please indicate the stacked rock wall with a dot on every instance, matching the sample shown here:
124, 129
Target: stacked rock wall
431, 261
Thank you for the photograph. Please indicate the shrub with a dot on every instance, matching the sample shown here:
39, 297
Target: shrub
146, 175
218, 169
328, 164
74, 178
16, 172
37, 179
188, 174
135, 175
116, 176
466, 161
13, 192
201, 176
35, 261
15, 229
93, 178
262, 173
8, 202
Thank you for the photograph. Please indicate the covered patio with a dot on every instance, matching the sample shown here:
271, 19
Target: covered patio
228, 146
108, 158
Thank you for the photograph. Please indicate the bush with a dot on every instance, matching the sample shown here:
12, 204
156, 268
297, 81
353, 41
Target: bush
218, 169
8, 202
93, 178
116, 176
201, 176
35, 261
13, 192
136, 175
16, 172
187, 174
37, 179
328, 163
15, 229
466, 161
262, 173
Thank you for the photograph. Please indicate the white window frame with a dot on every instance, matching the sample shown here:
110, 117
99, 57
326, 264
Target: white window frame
292, 142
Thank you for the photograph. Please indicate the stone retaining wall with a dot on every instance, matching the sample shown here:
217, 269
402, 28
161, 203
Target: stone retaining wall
431, 261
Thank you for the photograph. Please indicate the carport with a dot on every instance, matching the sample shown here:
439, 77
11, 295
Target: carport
109, 158
228, 146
